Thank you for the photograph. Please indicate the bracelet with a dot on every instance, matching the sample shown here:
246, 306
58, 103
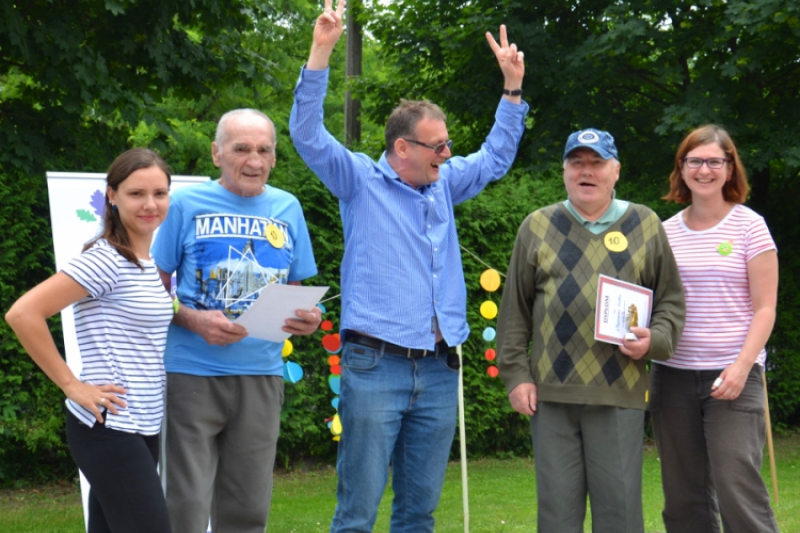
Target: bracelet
515, 92
176, 304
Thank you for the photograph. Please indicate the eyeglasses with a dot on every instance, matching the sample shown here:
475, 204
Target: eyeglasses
437, 149
712, 162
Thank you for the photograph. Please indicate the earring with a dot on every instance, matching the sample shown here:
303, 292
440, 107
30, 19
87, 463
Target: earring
114, 207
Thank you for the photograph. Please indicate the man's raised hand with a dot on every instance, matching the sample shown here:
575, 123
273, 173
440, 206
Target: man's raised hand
327, 31
511, 61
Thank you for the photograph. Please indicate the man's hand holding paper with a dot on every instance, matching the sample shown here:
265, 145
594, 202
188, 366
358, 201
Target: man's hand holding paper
282, 311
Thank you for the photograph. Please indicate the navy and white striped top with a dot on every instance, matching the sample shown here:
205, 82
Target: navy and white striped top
122, 330
401, 270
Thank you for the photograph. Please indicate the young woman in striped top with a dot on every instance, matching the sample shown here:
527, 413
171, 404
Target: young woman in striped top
122, 312
707, 401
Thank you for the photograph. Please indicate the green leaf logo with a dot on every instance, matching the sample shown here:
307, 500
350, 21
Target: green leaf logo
85, 215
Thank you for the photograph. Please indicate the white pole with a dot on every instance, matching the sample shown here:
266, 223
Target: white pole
462, 436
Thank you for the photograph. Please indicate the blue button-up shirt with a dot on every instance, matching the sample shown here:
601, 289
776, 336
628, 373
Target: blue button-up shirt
401, 270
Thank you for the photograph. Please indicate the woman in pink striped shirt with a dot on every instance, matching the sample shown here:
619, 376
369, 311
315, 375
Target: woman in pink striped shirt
707, 401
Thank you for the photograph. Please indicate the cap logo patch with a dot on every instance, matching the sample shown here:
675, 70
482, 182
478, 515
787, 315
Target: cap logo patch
588, 137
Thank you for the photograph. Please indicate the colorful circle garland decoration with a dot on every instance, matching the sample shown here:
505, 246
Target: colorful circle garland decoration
490, 282
333, 345
292, 372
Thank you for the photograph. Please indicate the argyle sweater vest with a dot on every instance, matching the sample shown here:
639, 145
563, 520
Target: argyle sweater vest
562, 261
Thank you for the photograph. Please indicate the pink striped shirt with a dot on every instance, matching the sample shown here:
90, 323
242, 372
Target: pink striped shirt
713, 267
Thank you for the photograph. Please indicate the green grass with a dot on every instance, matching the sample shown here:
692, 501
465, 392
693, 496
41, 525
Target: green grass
502, 499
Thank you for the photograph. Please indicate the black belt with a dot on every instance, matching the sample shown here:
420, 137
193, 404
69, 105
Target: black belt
377, 344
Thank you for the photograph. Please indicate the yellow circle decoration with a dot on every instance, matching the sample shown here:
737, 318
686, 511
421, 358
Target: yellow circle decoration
287, 348
336, 425
616, 241
488, 309
274, 235
490, 280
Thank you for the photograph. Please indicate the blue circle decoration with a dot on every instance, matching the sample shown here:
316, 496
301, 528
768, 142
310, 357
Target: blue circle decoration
333, 381
335, 403
489, 334
292, 372
321, 308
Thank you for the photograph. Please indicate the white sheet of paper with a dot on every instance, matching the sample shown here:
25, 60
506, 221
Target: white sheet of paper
265, 318
614, 298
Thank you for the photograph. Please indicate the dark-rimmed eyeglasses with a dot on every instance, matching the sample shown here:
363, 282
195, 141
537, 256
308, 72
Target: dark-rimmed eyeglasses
712, 162
437, 148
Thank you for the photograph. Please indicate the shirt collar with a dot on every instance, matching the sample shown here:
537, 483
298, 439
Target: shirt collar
613, 213
391, 173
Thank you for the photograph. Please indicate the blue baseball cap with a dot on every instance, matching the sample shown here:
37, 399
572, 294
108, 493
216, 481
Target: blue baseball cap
600, 141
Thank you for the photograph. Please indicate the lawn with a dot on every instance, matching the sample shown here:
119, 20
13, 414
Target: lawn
502, 499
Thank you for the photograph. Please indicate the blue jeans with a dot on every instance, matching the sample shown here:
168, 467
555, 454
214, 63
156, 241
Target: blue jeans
397, 410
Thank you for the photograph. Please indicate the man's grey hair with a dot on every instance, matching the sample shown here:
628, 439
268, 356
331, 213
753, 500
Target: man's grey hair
222, 126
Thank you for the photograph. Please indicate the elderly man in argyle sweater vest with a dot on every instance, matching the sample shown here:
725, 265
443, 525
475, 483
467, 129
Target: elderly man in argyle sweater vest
586, 398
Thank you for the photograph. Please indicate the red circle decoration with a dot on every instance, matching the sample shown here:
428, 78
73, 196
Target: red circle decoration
490, 354
336, 370
331, 342
492, 371
333, 360
326, 325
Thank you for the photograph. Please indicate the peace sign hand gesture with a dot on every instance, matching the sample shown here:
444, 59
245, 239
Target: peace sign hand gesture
511, 60
327, 31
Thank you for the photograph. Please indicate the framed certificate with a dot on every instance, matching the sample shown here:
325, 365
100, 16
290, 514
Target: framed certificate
620, 305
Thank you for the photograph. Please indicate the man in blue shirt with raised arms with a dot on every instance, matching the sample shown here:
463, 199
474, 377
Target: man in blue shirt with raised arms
403, 292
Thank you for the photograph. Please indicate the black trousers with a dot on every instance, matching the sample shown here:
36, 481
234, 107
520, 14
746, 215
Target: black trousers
126, 494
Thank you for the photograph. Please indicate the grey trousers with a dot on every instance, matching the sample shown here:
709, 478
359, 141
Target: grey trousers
592, 450
222, 434
711, 452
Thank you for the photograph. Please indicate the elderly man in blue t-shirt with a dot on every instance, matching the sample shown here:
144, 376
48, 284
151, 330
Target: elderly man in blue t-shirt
226, 240
403, 292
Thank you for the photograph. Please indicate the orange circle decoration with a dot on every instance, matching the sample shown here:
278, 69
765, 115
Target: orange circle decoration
333, 360
336, 370
492, 371
490, 280
488, 309
326, 325
490, 354
332, 343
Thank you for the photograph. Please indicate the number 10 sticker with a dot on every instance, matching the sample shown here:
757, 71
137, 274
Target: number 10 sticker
616, 241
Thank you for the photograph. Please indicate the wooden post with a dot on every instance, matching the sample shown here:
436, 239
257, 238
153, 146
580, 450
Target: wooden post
770, 448
352, 107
